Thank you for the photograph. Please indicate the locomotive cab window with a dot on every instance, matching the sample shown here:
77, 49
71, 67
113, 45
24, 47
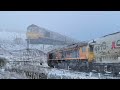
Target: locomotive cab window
118, 43
50, 56
91, 48
83, 49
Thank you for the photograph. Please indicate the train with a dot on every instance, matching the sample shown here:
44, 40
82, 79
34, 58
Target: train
35, 32
40, 35
100, 55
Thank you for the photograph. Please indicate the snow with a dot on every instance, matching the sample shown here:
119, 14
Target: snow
5, 35
10, 75
66, 74
17, 52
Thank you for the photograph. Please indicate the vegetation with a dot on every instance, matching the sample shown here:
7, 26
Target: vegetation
3, 62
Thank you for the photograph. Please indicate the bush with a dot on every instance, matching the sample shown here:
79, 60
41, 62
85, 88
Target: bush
3, 62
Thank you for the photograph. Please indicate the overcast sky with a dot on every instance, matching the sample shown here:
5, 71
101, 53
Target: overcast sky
81, 25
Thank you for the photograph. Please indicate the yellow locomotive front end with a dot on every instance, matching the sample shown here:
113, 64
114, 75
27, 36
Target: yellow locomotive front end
33, 35
91, 55
33, 32
86, 53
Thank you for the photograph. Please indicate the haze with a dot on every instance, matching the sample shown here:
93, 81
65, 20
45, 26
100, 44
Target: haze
80, 25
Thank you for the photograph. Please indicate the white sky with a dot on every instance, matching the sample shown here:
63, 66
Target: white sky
81, 25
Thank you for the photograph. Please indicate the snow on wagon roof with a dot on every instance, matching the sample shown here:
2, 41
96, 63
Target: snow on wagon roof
111, 34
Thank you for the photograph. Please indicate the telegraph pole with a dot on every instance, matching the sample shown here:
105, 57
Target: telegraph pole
28, 42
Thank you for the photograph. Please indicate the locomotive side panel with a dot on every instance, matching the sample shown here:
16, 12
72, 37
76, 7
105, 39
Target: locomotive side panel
72, 54
83, 53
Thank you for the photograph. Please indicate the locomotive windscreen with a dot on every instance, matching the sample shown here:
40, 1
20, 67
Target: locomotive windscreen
50, 56
91, 48
47, 34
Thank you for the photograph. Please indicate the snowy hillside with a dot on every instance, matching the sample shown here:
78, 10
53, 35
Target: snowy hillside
5, 35
7, 40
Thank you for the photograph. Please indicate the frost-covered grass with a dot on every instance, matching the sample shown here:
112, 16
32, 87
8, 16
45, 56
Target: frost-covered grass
10, 75
66, 74
17, 52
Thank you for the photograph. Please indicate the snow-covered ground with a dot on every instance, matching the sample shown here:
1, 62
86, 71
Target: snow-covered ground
5, 35
66, 74
7, 40
17, 52
10, 75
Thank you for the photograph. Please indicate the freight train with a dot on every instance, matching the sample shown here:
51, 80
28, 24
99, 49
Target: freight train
101, 55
